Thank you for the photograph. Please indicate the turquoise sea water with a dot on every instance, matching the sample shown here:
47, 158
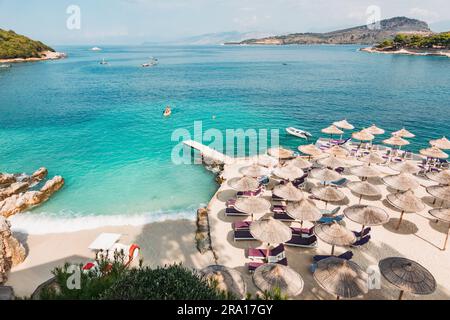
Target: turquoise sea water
101, 128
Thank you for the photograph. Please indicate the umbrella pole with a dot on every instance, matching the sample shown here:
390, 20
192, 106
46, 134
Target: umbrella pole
268, 252
400, 221
332, 250
326, 204
446, 238
337, 297
362, 230
360, 197
401, 295
301, 224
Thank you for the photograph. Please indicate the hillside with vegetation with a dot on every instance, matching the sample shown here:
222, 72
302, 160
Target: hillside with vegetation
14, 46
417, 41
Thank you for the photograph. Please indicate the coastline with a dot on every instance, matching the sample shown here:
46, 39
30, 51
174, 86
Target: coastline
47, 55
410, 52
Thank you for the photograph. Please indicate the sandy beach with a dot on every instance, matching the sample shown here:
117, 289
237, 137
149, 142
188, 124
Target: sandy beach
47, 55
411, 52
419, 238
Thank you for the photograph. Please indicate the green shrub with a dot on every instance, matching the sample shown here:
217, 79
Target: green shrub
13, 45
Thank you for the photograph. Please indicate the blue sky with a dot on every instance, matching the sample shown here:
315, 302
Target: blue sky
137, 21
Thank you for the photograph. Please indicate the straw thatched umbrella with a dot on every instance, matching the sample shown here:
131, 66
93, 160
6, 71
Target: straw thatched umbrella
373, 158
396, 141
337, 151
366, 215
304, 210
324, 174
333, 162
442, 177
373, 129
270, 231
266, 161
288, 192
434, 152
442, 214
344, 124
334, 234
271, 276
226, 279
243, 184
280, 153
402, 182
331, 130
364, 188
406, 201
405, 167
440, 192
341, 277
365, 171
442, 143
310, 150
254, 171
288, 172
363, 135
328, 194
407, 275
253, 205
300, 163
403, 133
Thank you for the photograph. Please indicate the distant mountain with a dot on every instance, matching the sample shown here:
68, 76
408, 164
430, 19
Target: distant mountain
219, 38
389, 28
14, 46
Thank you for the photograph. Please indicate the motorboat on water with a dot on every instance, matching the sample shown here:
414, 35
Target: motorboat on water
103, 62
167, 112
96, 49
153, 62
298, 133
5, 66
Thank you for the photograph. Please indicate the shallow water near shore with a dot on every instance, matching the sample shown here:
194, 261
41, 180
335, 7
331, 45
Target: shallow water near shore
101, 127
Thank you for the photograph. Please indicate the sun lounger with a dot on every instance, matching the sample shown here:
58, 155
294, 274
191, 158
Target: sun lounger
241, 225
365, 232
283, 217
327, 220
275, 254
243, 235
361, 241
255, 193
346, 255
330, 212
339, 170
252, 266
304, 232
230, 203
279, 208
339, 183
232, 212
298, 241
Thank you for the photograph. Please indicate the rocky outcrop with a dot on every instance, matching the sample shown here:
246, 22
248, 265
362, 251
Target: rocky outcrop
11, 251
13, 188
39, 174
203, 236
7, 179
21, 202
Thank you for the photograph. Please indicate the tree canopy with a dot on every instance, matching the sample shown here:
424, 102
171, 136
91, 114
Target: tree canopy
417, 41
13, 45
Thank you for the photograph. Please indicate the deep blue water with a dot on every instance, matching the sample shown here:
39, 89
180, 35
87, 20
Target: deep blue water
101, 128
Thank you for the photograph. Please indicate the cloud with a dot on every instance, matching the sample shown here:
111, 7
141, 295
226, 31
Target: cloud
424, 14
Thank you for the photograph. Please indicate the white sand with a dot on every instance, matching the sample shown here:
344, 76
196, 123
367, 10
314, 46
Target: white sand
419, 239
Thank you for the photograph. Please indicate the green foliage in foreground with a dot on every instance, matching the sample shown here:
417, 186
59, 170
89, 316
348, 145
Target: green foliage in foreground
13, 45
415, 41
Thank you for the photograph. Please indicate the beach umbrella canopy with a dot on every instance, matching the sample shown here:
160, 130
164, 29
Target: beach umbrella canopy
373, 129
288, 192
341, 277
334, 234
396, 141
442, 177
364, 188
272, 276
328, 194
332, 130
266, 161
280, 153
252, 205
365, 171
270, 231
434, 152
243, 184
403, 133
406, 201
333, 162
407, 275
300, 163
344, 124
304, 210
405, 167
366, 215
226, 279
324, 174
310, 150
373, 158
403, 181
337, 151
363, 135
440, 192
288, 172
254, 171
442, 143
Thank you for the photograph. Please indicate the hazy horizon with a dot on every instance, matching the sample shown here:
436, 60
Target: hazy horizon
157, 21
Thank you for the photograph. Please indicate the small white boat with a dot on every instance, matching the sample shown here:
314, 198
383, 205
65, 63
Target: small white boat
103, 62
96, 49
5, 66
298, 133
153, 62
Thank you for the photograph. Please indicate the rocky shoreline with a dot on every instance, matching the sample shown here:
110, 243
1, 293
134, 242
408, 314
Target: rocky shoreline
46, 55
411, 52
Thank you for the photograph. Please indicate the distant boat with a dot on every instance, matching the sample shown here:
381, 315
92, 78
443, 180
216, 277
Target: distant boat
153, 62
5, 66
103, 61
298, 133
167, 112
96, 49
